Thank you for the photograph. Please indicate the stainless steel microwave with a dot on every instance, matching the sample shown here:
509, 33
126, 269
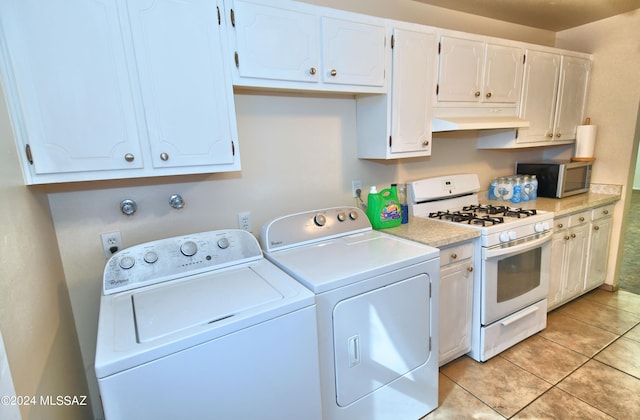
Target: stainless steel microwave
558, 179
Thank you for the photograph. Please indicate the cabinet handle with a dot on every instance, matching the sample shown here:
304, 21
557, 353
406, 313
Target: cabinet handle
558, 135
313, 71
560, 225
566, 238
129, 157
550, 135
334, 72
425, 143
488, 95
605, 212
164, 156
470, 269
477, 94
581, 219
596, 228
454, 256
573, 235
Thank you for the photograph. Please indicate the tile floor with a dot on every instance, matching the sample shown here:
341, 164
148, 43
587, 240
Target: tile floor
585, 364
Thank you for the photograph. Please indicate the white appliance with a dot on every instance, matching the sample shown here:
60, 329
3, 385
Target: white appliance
203, 327
376, 299
513, 252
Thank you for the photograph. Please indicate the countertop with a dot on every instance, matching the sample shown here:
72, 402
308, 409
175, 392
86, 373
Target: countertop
439, 234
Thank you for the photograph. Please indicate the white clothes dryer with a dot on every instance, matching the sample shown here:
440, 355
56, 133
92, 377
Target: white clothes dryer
376, 299
203, 327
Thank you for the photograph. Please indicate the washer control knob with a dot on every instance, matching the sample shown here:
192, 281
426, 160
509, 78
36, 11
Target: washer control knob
353, 215
189, 248
320, 220
150, 257
342, 217
223, 243
127, 262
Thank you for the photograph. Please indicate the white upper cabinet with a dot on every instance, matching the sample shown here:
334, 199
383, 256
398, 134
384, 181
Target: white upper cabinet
66, 80
81, 111
353, 53
290, 45
275, 43
474, 71
553, 97
187, 96
399, 124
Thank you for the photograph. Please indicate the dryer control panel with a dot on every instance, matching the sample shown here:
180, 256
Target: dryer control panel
177, 257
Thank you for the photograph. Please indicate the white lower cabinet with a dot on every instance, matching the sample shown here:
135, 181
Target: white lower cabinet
568, 256
456, 301
599, 240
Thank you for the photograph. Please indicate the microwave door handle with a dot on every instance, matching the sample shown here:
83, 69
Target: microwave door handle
525, 246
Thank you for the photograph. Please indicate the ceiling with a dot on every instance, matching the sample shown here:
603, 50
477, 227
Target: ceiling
553, 15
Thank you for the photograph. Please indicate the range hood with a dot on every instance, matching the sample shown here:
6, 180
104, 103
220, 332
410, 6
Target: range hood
454, 119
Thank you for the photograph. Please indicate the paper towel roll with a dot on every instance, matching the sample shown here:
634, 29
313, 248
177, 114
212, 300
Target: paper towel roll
585, 140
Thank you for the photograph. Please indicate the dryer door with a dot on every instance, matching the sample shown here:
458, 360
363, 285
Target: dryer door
380, 336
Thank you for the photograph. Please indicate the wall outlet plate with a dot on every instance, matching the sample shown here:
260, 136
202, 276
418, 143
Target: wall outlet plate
356, 185
111, 243
244, 221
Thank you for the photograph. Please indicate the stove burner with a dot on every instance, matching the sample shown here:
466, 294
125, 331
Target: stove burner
466, 216
518, 212
489, 208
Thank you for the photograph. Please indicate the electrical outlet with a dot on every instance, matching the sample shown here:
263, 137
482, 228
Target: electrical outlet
111, 243
356, 185
244, 221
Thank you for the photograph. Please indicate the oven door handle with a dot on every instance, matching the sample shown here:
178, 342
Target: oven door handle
525, 246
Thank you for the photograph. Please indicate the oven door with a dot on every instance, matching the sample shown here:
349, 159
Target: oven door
514, 276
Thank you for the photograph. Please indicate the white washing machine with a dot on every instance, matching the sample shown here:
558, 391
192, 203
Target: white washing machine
376, 299
203, 327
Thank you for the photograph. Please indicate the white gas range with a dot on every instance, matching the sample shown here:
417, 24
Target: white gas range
513, 254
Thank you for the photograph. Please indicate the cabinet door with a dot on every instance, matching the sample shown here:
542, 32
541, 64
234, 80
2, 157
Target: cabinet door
353, 53
598, 252
557, 269
456, 303
574, 76
186, 94
411, 90
68, 86
576, 261
460, 74
275, 43
540, 89
502, 74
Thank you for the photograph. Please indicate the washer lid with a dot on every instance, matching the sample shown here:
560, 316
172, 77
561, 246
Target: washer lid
204, 300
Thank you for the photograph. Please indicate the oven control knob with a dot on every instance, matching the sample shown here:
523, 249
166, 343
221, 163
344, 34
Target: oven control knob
127, 262
320, 220
542, 227
512, 235
189, 248
504, 237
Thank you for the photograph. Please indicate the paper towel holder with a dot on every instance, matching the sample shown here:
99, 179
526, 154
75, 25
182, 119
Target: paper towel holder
587, 121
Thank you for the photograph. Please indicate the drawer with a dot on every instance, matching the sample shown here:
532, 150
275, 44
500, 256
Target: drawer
600, 212
579, 218
511, 330
455, 253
